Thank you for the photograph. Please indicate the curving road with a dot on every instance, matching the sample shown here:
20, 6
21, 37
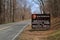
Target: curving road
12, 30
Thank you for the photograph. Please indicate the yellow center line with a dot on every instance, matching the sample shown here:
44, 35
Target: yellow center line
5, 28
11, 25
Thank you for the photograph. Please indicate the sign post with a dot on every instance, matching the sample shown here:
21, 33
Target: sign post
41, 21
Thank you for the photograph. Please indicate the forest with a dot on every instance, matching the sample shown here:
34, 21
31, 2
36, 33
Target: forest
12, 11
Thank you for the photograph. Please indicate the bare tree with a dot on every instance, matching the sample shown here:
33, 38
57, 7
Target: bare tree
54, 7
10, 11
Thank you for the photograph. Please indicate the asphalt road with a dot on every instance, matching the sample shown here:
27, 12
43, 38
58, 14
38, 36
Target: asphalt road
10, 31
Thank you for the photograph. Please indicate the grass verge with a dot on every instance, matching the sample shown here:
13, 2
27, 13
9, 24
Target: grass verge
54, 36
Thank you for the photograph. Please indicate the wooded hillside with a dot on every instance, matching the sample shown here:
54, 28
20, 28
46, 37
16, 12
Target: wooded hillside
53, 7
11, 11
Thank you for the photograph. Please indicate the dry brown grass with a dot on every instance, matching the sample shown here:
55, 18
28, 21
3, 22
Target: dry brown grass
29, 34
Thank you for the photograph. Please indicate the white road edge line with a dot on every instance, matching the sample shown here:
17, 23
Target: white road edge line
20, 31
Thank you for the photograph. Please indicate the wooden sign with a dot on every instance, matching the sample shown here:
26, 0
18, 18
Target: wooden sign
41, 21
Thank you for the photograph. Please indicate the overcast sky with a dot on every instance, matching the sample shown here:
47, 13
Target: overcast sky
34, 6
